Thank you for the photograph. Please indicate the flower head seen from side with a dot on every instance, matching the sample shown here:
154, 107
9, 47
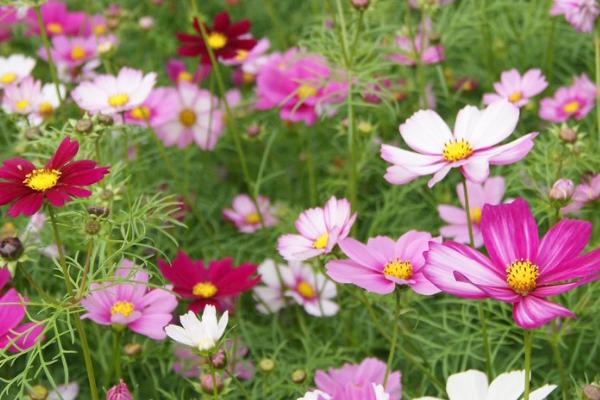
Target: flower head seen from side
218, 284
320, 230
581, 14
472, 147
119, 392
108, 94
586, 192
201, 334
14, 69
225, 39
131, 304
575, 101
246, 217
516, 88
157, 109
26, 187
383, 263
489, 192
23, 98
473, 385
521, 269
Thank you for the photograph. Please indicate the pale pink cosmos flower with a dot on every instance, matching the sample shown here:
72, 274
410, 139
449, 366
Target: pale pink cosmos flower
64, 392
251, 61
23, 98
71, 51
421, 47
516, 88
581, 14
320, 230
159, 108
131, 304
574, 101
383, 263
246, 218
108, 94
489, 192
472, 147
49, 102
521, 269
178, 73
586, 192
14, 69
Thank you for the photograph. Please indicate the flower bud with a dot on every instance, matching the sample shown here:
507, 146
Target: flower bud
253, 130
105, 119
146, 23
38, 392
98, 211
206, 383
11, 248
591, 392
92, 227
298, 376
32, 133
360, 4
568, 135
562, 190
84, 126
132, 349
219, 359
266, 365
119, 392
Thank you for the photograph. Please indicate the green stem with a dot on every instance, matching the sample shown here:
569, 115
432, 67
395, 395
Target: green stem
597, 62
310, 166
396, 322
550, 50
555, 344
214, 381
51, 65
527, 340
116, 356
484, 24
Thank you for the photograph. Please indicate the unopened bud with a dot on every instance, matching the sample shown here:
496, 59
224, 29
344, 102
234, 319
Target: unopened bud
360, 4
98, 211
84, 126
105, 119
568, 135
92, 227
206, 382
132, 349
11, 248
219, 359
266, 365
119, 392
562, 190
253, 130
32, 133
591, 392
298, 376
38, 392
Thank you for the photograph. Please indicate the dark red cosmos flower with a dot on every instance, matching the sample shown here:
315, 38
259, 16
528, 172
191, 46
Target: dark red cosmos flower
217, 285
58, 181
226, 40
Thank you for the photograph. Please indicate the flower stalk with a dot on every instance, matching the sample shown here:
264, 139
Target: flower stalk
396, 323
527, 340
51, 65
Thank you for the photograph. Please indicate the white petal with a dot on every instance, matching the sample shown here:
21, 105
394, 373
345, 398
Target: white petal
496, 123
541, 393
178, 334
507, 386
468, 385
426, 132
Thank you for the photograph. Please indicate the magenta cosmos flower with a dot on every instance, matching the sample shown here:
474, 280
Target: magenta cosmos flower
586, 192
197, 118
489, 192
131, 304
516, 88
472, 147
57, 19
300, 85
383, 263
71, 52
108, 94
157, 109
178, 73
217, 285
521, 270
246, 218
581, 14
574, 101
8, 17
58, 182
320, 230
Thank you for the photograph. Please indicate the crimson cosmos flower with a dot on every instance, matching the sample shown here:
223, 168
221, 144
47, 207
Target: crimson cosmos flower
226, 40
214, 285
61, 179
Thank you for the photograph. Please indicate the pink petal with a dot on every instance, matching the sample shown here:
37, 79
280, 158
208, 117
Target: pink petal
532, 312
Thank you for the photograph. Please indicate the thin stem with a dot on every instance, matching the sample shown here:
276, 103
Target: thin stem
116, 350
51, 65
468, 210
214, 381
310, 166
550, 50
396, 323
527, 340
86, 267
597, 61
555, 344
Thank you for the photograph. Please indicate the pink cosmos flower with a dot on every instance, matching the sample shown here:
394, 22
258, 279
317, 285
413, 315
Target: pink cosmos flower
516, 88
574, 101
108, 94
421, 47
521, 270
197, 118
71, 51
472, 147
119, 392
178, 73
581, 14
130, 304
489, 192
300, 85
586, 192
157, 109
14, 69
383, 263
57, 19
251, 61
8, 17
320, 230
245, 216
23, 98
97, 25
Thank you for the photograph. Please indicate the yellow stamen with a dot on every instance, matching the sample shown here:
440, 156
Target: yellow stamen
100, 30
141, 113
475, 215
521, 276
204, 290
252, 218
77, 53
247, 77
456, 150
304, 91
241, 55
22, 104
571, 107
54, 28
124, 308
184, 76
398, 269
8, 77
45, 109
42, 179
321, 241
118, 100
306, 290
515, 97
217, 40
187, 117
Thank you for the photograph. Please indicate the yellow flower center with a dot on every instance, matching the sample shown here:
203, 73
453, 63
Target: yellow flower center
321, 241
521, 276
187, 117
77, 53
252, 218
217, 40
124, 308
304, 91
141, 112
247, 77
54, 28
571, 107
118, 100
8, 77
467, 86
306, 290
45, 109
516, 96
475, 215
22, 104
456, 150
100, 30
42, 179
204, 290
398, 269
184, 76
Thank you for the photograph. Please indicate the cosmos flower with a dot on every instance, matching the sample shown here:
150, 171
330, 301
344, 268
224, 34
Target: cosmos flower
108, 94
8, 17
64, 392
197, 118
218, 284
472, 147
97, 25
71, 51
251, 61
586, 192
378, 393
203, 334
521, 270
224, 38
581, 14
119, 392
15, 68
59, 181
23, 98
132, 304
245, 216
48, 103
421, 47
473, 385
57, 19
574, 101
383, 263
157, 109
489, 192
516, 88
320, 230
178, 73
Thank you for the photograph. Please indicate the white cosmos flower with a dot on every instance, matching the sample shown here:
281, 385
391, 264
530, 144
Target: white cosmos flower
315, 395
14, 69
380, 393
473, 385
201, 334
